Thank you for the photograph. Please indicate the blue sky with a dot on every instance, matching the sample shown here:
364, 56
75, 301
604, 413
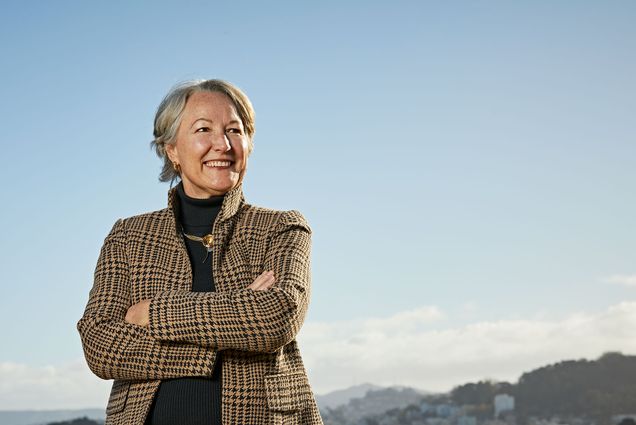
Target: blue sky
463, 165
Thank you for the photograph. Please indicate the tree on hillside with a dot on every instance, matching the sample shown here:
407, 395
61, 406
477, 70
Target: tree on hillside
597, 389
482, 392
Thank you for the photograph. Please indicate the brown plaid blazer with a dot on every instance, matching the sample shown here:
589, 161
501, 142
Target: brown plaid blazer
144, 257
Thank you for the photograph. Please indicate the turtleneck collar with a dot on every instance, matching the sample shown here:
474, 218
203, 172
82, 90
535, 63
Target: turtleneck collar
197, 212
231, 202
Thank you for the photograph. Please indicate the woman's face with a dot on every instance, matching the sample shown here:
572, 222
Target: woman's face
210, 131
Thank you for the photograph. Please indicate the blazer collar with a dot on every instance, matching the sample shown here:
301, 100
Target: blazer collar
232, 202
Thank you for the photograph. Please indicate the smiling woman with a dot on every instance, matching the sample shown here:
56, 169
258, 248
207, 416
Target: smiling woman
195, 308
211, 147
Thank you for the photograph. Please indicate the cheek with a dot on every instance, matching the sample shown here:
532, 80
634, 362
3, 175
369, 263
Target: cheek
195, 149
186, 144
243, 147
199, 144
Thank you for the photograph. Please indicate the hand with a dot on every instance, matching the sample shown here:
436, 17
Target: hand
264, 281
139, 314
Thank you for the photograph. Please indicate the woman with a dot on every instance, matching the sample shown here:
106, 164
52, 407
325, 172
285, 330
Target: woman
195, 308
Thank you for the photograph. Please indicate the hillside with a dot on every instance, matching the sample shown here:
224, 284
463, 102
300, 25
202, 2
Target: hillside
582, 391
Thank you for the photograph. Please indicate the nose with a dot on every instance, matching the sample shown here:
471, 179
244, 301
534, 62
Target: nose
221, 143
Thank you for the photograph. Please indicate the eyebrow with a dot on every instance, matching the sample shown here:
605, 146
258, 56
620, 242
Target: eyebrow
200, 119
210, 121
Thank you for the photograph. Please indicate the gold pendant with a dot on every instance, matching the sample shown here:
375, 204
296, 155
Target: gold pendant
207, 242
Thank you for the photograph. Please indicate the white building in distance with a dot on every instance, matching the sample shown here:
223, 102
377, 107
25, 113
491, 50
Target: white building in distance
504, 403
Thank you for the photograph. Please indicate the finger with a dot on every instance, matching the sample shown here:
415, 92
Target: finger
261, 280
258, 281
268, 283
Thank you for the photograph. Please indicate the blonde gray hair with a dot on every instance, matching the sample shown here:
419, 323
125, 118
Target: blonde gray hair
170, 111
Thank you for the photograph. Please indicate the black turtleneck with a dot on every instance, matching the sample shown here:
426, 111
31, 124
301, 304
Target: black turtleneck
197, 217
191, 400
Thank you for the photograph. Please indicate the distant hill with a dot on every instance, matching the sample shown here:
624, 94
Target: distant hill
595, 390
340, 397
45, 417
375, 402
78, 421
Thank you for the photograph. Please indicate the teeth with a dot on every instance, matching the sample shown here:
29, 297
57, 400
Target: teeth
218, 163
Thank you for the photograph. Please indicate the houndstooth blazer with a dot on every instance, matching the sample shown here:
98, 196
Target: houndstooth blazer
145, 257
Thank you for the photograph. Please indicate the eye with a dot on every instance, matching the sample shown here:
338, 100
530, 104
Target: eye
202, 129
235, 130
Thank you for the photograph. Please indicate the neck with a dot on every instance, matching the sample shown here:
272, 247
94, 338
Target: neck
195, 211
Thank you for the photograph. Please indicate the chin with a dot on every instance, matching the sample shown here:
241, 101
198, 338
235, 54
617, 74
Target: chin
224, 188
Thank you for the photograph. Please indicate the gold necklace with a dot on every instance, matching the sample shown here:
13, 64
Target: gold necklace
206, 240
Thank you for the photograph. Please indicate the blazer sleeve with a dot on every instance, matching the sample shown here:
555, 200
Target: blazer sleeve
246, 319
116, 349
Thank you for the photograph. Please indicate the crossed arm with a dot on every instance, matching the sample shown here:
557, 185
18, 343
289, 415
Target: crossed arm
139, 313
185, 329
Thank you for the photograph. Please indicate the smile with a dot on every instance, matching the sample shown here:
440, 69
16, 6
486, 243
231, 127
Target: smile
218, 164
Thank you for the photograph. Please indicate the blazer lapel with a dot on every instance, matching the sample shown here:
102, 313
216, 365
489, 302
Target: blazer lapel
223, 231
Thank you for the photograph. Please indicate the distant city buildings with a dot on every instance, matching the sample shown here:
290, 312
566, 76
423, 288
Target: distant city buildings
501, 409
446, 410
466, 420
503, 403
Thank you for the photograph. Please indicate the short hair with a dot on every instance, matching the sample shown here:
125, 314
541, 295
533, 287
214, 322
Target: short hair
170, 111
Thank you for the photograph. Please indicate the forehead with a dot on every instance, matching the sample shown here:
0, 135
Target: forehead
205, 104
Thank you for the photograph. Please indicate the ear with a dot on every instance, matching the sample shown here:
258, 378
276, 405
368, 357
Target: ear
173, 155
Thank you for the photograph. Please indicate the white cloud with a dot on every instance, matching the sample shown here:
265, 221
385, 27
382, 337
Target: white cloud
68, 386
413, 347
395, 351
621, 279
